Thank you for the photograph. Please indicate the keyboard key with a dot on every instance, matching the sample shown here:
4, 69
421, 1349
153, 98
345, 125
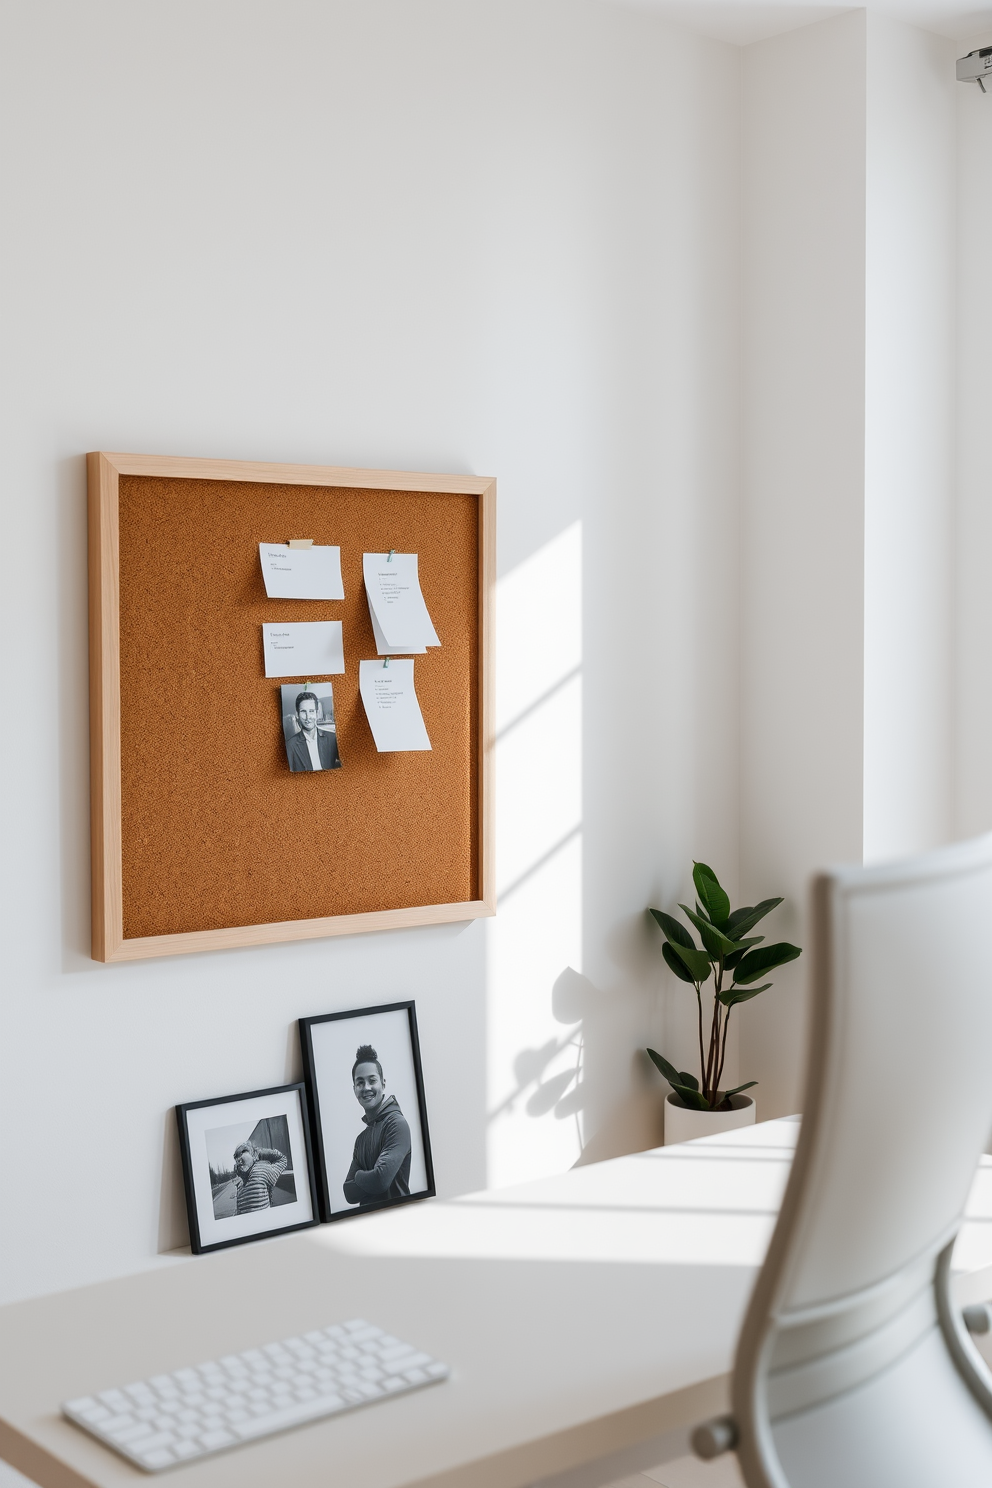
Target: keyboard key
160, 1458
134, 1432
408, 1361
114, 1398
214, 1439
153, 1443
96, 1413
119, 1422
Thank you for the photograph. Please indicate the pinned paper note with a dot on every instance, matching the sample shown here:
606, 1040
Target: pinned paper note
391, 706
292, 572
382, 645
392, 584
309, 648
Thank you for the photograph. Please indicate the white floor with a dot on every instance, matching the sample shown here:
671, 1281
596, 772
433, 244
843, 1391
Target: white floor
685, 1472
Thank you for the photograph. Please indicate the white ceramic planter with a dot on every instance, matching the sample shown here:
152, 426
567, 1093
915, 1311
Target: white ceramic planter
684, 1125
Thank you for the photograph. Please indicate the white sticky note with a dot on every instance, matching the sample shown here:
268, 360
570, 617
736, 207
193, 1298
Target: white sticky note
308, 648
391, 706
393, 588
382, 645
301, 573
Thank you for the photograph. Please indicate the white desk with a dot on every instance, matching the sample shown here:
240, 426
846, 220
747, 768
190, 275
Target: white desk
589, 1320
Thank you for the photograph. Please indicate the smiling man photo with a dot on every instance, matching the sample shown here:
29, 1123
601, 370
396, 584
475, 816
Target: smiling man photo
380, 1167
312, 748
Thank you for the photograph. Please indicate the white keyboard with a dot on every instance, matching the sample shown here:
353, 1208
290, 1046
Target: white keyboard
180, 1417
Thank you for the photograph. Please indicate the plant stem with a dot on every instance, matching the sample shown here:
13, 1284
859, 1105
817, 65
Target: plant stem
723, 1052
699, 1007
711, 1056
709, 1084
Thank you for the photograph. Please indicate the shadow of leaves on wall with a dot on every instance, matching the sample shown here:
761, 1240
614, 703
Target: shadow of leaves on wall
559, 1091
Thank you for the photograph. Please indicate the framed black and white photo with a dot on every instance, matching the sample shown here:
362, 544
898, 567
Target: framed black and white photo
247, 1166
366, 1090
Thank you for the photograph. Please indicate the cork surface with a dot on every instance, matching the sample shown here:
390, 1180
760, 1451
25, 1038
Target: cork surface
216, 830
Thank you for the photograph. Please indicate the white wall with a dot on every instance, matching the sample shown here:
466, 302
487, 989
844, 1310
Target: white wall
802, 545
848, 509
910, 445
973, 552
439, 235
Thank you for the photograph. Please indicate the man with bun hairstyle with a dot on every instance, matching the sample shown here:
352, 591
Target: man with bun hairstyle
380, 1168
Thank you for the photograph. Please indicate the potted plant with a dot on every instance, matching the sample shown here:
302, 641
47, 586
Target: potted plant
736, 961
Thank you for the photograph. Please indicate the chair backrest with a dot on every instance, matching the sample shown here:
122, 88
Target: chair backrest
852, 1366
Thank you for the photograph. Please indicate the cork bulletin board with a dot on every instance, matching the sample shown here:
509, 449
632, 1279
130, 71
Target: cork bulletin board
202, 837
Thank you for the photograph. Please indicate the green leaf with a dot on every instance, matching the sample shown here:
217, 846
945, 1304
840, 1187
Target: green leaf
669, 1071
676, 965
743, 920
674, 932
714, 941
733, 995
738, 1088
711, 896
765, 958
692, 1098
697, 961
737, 957
685, 1085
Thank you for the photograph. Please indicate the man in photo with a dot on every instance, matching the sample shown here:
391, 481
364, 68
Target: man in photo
257, 1171
380, 1168
312, 748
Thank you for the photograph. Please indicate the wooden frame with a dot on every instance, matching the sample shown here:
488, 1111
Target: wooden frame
104, 471
312, 1081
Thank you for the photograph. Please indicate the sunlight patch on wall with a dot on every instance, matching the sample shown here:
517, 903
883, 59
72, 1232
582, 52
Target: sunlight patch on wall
532, 1058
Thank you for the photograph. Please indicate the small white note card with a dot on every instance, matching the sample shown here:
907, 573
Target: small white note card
309, 648
391, 706
399, 614
301, 573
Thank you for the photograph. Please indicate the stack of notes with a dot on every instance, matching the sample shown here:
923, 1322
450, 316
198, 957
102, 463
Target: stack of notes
400, 622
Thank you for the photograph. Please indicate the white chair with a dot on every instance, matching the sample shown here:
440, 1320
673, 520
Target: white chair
853, 1368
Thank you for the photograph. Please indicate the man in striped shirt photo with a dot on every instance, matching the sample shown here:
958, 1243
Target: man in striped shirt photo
257, 1171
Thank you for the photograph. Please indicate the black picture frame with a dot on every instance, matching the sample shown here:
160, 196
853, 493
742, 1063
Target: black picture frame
208, 1224
327, 1132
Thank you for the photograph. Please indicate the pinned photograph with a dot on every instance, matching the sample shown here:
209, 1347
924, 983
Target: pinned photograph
247, 1166
308, 726
366, 1088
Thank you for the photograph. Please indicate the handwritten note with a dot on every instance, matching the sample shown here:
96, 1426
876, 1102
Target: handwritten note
391, 706
308, 648
392, 584
301, 573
